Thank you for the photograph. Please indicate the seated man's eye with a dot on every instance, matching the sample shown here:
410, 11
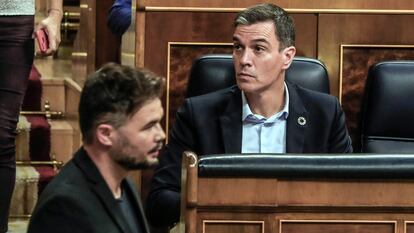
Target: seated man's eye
259, 48
236, 47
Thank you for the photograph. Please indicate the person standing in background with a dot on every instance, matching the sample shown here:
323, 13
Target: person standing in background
119, 17
16, 59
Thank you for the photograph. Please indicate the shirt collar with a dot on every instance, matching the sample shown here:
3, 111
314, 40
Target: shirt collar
282, 115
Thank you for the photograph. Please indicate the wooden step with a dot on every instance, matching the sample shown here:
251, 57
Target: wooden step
25, 193
54, 93
62, 140
17, 225
22, 139
63, 95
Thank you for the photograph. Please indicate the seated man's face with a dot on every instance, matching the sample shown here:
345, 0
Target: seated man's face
139, 140
258, 63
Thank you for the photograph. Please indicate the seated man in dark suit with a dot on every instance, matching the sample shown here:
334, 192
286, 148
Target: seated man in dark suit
119, 113
262, 114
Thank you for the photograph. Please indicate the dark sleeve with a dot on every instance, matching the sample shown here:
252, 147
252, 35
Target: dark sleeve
163, 202
339, 139
119, 16
60, 214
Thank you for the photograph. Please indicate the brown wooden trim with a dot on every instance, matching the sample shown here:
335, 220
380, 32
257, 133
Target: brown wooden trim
140, 39
189, 191
304, 209
405, 225
329, 221
290, 10
233, 222
70, 83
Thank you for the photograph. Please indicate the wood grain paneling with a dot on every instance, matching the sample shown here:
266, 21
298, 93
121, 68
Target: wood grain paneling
164, 27
356, 61
346, 193
312, 193
233, 226
140, 39
409, 227
83, 55
108, 44
337, 29
337, 227
246, 191
210, 219
337, 4
72, 94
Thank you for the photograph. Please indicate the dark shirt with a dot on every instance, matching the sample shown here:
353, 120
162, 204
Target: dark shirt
130, 214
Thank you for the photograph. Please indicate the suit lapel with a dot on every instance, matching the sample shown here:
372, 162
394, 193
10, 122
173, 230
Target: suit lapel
296, 122
231, 123
101, 189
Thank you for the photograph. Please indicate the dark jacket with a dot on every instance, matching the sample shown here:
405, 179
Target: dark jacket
79, 200
212, 124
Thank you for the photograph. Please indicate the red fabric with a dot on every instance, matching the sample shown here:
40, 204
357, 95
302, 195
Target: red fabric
46, 174
32, 98
39, 148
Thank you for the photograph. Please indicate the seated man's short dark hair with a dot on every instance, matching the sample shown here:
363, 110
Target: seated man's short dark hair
114, 93
284, 25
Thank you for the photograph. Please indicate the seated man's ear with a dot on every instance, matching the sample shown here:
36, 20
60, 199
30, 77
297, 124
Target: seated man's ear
104, 134
288, 55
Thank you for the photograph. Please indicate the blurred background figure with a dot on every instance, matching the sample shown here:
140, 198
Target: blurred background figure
119, 17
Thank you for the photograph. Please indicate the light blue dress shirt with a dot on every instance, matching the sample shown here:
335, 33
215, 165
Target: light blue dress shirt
261, 135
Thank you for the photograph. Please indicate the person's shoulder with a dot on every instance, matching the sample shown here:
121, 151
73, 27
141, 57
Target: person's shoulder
62, 207
67, 183
316, 103
216, 97
312, 96
62, 199
63, 194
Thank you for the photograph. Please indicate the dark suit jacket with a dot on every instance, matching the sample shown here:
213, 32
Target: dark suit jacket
79, 200
212, 124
